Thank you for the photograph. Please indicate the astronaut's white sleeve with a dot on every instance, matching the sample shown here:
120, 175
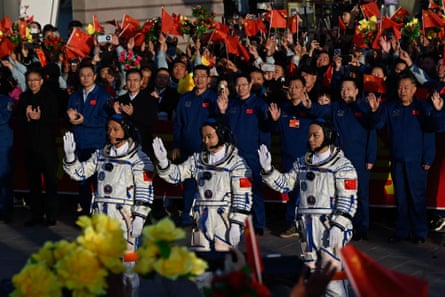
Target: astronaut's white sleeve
282, 182
143, 181
242, 197
175, 174
346, 184
80, 171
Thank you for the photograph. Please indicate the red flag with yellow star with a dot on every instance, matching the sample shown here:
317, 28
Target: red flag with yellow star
80, 43
400, 15
370, 9
371, 279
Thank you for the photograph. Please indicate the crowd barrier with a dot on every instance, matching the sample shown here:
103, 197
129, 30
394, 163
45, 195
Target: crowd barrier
381, 191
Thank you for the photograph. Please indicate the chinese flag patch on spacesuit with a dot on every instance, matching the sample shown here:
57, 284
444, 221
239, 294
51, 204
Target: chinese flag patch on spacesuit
148, 176
245, 182
350, 184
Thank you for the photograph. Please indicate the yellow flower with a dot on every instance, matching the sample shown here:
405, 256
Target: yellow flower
363, 24
82, 270
45, 254
90, 29
164, 230
186, 84
179, 263
199, 266
415, 21
36, 280
62, 248
103, 236
373, 19
147, 256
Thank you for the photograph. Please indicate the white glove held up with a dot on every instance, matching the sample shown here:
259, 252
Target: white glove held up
69, 146
235, 234
265, 158
335, 237
136, 226
160, 152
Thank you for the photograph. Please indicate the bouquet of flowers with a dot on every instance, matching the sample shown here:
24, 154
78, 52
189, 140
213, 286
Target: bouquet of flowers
130, 60
80, 267
368, 30
411, 30
187, 26
204, 20
158, 254
53, 43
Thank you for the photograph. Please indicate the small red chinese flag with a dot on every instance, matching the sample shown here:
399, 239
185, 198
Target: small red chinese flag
41, 55
245, 182
350, 184
250, 27
327, 77
374, 84
400, 15
277, 19
431, 19
232, 45
80, 43
169, 24
358, 40
293, 24
6, 46
387, 23
252, 250
364, 273
222, 27
370, 9
244, 53
261, 27
218, 35
96, 25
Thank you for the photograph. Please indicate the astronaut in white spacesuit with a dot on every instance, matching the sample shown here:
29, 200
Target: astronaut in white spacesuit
328, 198
223, 198
124, 181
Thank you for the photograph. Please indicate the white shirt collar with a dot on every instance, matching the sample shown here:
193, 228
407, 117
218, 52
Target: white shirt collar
318, 158
119, 151
218, 156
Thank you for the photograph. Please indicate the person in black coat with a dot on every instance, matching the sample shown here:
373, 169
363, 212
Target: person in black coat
140, 108
166, 97
37, 114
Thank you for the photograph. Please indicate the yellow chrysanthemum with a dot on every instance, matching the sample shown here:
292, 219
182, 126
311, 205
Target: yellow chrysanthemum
415, 21
147, 256
90, 29
103, 236
199, 266
179, 263
363, 24
36, 280
164, 230
81, 269
45, 254
63, 248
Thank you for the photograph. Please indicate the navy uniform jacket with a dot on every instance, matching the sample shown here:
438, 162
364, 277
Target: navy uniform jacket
191, 112
92, 132
249, 122
410, 136
357, 140
293, 126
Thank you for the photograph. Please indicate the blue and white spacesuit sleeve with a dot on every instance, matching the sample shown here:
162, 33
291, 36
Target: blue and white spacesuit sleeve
346, 185
80, 171
143, 181
241, 183
282, 182
174, 174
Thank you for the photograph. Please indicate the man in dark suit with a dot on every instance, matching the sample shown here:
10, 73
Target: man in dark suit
139, 107
166, 97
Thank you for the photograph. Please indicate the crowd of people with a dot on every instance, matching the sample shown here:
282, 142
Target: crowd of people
309, 88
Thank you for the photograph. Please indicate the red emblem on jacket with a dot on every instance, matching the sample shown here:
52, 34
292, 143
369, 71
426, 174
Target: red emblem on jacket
93, 102
249, 111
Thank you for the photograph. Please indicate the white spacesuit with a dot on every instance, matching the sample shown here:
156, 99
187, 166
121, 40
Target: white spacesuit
124, 185
224, 195
328, 201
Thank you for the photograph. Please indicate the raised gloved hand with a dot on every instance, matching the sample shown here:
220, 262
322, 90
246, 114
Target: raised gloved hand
160, 152
335, 237
136, 226
235, 234
265, 158
69, 146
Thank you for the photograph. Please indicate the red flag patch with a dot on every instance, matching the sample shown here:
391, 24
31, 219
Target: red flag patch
350, 184
93, 102
148, 176
245, 182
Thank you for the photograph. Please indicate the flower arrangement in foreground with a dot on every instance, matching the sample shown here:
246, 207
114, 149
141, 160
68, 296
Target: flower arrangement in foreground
130, 60
411, 30
80, 267
158, 254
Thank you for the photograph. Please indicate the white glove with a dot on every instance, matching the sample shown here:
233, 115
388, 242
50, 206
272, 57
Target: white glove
336, 237
69, 146
160, 152
136, 226
235, 234
265, 158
